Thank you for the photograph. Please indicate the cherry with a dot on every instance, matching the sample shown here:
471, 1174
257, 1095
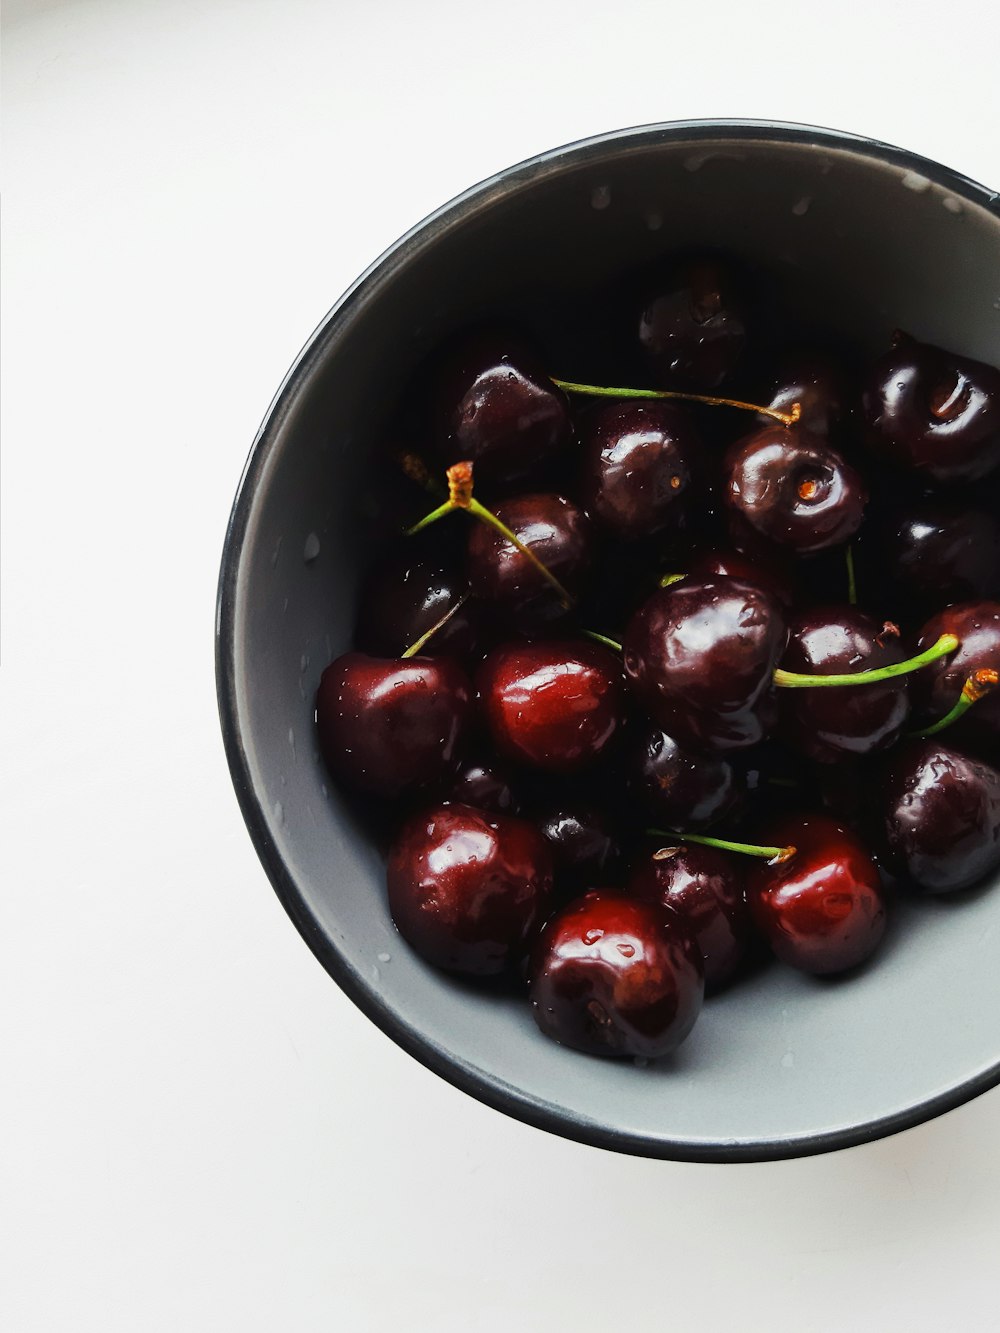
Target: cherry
692, 327
467, 889
552, 705
680, 787
821, 387
483, 784
615, 976
496, 406
793, 489
821, 907
941, 817
583, 844
405, 596
389, 725
936, 690
706, 887
700, 656
931, 411
763, 571
828, 725
636, 470
555, 531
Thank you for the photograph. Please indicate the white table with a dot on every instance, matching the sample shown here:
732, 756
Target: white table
199, 1131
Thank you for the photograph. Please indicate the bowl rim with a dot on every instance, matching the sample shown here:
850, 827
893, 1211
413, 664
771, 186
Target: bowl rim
492, 1092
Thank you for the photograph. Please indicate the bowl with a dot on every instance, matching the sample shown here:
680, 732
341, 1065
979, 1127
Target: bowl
783, 1064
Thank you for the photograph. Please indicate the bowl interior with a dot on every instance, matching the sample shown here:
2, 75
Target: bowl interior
781, 1063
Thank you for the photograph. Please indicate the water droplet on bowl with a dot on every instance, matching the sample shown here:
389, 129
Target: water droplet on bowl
914, 181
310, 548
600, 197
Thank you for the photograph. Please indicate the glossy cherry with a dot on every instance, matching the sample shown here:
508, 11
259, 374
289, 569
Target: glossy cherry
583, 842
467, 889
552, 705
556, 531
936, 689
820, 385
828, 725
635, 466
763, 570
404, 596
693, 326
822, 909
933, 412
388, 725
680, 788
700, 657
482, 783
793, 490
496, 406
616, 976
941, 816
705, 886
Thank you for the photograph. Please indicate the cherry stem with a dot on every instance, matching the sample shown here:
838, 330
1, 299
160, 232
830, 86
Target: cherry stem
415, 648
852, 583
594, 391
668, 579
793, 680
417, 470
603, 638
979, 684
772, 855
460, 497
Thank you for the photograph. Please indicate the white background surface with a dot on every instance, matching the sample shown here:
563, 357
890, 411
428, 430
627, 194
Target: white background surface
199, 1132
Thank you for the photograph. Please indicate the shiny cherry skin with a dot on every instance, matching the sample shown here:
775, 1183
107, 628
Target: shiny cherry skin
821, 387
482, 783
389, 725
829, 725
705, 886
931, 552
763, 571
821, 911
468, 889
681, 788
936, 688
941, 816
496, 406
793, 489
584, 845
938, 414
553, 705
405, 595
615, 976
693, 327
700, 657
635, 469
557, 532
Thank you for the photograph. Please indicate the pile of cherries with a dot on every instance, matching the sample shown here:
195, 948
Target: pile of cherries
630, 616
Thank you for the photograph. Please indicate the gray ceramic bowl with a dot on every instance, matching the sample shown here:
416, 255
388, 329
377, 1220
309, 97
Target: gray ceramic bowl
781, 1065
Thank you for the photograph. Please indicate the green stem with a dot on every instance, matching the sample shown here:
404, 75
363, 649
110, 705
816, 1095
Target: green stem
773, 855
432, 517
415, 648
597, 391
979, 684
793, 680
603, 638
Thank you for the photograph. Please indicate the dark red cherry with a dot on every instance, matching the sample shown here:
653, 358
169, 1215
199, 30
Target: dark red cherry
942, 817
635, 466
388, 725
705, 886
935, 689
583, 844
700, 657
693, 327
615, 976
821, 387
681, 788
830, 724
793, 489
552, 705
763, 571
467, 889
556, 531
929, 553
931, 411
482, 783
496, 406
405, 595
822, 909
